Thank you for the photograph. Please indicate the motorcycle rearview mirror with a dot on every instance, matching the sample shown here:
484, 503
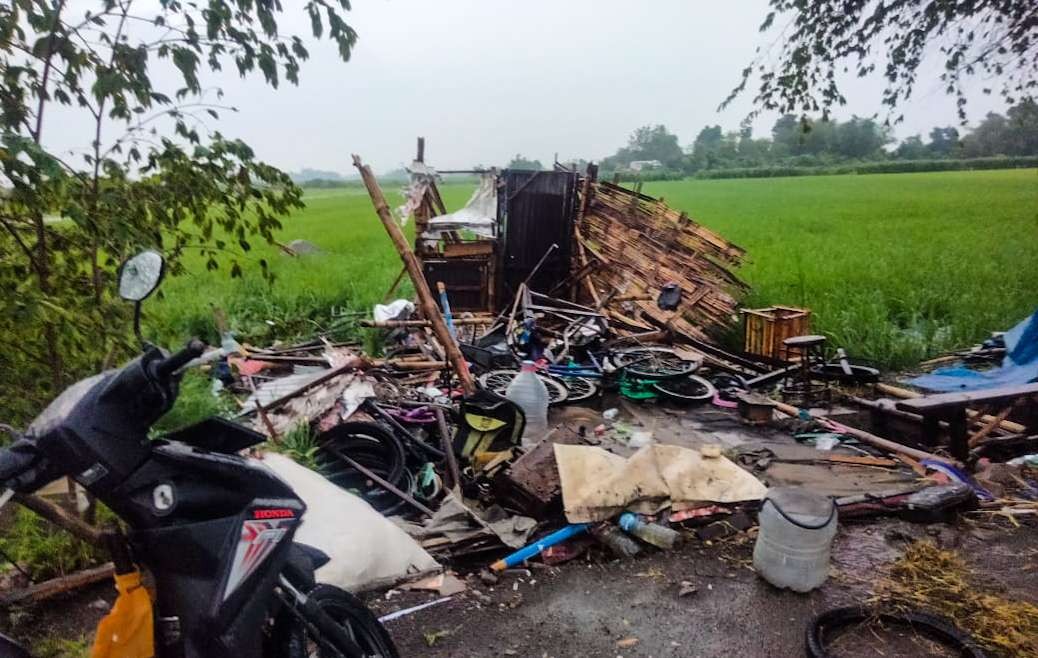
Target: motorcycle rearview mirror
139, 276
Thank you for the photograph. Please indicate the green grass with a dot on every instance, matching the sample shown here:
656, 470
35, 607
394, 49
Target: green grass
312, 293
896, 267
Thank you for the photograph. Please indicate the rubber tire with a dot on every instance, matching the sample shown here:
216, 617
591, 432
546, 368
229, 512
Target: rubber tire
340, 604
931, 626
859, 374
372, 445
663, 388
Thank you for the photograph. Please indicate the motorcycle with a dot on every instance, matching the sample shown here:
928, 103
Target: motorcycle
213, 528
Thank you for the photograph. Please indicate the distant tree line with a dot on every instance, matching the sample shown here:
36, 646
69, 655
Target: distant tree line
825, 146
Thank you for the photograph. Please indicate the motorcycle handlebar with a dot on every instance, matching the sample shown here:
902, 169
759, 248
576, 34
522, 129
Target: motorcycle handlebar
172, 363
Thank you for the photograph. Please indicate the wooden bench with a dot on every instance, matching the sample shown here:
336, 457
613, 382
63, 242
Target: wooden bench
952, 408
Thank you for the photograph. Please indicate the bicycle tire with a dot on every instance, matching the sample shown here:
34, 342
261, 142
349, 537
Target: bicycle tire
579, 389
686, 390
497, 381
371, 445
662, 363
935, 628
344, 608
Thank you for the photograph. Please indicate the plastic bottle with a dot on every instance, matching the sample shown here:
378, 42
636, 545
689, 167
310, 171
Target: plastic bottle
620, 544
797, 527
650, 533
530, 393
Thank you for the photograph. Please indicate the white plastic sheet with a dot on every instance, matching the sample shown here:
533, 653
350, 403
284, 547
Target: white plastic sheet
479, 215
366, 549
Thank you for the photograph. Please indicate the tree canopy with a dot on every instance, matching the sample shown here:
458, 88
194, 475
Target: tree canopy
648, 143
812, 142
992, 41
150, 170
520, 162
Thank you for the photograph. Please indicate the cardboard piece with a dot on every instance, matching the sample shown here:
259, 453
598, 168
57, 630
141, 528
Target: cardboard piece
598, 485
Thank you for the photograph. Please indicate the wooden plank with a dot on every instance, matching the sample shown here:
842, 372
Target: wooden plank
941, 402
462, 249
860, 460
990, 426
905, 394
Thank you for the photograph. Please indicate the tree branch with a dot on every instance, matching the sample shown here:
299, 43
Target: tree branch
46, 71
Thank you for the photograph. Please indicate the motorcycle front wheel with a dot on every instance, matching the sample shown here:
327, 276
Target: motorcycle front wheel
348, 611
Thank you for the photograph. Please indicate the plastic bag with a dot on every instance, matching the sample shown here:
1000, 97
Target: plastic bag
127, 631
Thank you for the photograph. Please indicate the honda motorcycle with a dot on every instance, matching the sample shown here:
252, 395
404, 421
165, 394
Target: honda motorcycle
214, 529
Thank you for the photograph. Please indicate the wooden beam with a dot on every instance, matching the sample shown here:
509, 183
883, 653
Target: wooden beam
426, 301
872, 439
392, 288
60, 585
990, 426
59, 517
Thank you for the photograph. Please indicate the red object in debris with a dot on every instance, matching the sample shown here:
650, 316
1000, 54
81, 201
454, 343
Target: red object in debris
698, 512
248, 367
564, 552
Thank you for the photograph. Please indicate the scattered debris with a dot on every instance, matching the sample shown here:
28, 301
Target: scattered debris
655, 434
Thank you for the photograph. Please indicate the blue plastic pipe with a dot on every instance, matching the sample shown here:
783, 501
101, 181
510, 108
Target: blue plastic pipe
531, 550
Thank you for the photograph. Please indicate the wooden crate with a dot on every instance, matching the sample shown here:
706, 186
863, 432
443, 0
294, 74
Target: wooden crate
764, 329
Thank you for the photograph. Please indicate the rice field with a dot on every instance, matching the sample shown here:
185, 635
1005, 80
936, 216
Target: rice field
896, 267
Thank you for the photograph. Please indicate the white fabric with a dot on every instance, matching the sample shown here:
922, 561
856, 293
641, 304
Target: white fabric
392, 311
366, 549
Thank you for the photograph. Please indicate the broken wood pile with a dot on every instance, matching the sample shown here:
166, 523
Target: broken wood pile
637, 244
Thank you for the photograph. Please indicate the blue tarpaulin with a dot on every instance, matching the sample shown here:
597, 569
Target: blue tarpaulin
1020, 365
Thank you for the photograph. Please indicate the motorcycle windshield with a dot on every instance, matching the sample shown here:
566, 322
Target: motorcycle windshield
58, 410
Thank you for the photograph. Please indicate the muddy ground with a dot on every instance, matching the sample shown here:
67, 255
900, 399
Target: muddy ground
702, 601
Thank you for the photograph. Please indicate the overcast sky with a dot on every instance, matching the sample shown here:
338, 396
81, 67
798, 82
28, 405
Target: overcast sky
483, 80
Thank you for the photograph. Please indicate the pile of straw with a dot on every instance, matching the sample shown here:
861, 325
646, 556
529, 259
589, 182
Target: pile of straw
937, 581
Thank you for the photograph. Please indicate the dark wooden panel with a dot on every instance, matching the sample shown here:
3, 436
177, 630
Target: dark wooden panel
466, 280
535, 209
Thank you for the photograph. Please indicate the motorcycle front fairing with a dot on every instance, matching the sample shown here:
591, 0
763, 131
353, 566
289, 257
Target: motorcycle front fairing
215, 530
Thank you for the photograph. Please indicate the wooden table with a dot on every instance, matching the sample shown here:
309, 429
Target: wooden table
951, 408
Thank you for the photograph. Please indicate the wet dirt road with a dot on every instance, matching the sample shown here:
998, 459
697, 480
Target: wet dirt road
637, 607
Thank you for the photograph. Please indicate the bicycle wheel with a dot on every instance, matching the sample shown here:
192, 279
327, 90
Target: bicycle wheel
497, 381
653, 362
347, 610
686, 390
579, 388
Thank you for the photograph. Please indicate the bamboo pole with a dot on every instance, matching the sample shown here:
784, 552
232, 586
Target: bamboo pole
426, 301
394, 324
972, 414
